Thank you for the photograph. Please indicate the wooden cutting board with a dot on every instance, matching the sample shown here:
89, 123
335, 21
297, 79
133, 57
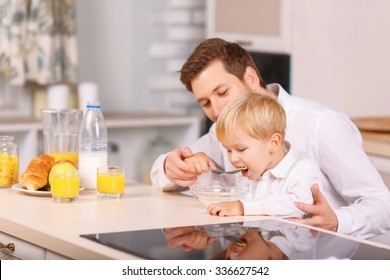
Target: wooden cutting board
374, 124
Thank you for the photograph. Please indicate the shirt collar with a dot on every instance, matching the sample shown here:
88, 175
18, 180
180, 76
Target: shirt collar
283, 96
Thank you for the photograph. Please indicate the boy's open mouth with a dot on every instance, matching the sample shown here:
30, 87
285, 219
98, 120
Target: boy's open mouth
244, 170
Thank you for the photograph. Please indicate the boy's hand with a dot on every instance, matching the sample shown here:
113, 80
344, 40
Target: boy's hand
229, 208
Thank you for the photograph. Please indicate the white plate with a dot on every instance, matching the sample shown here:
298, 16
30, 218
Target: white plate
18, 188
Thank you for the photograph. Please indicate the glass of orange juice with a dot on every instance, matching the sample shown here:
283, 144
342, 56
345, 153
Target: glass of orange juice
61, 133
111, 181
64, 185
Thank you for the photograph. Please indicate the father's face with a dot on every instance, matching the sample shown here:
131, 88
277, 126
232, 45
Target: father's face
214, 88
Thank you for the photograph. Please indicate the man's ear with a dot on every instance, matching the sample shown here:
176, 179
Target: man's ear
252, 79
275, 142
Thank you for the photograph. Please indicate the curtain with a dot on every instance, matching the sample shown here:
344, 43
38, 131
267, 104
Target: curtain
38, 41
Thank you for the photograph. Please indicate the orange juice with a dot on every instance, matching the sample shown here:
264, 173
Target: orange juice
111, 181
71, 156
64, 185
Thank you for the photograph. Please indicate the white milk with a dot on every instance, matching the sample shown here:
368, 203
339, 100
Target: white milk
88, 165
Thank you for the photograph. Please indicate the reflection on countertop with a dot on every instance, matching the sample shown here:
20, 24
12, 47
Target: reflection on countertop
218, 241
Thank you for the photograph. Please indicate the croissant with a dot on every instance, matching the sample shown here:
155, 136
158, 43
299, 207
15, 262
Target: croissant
37, 172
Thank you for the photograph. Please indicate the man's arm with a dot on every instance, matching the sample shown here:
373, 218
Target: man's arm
355, 179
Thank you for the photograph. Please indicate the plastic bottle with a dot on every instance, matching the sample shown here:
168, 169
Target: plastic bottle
8, 161
92, 145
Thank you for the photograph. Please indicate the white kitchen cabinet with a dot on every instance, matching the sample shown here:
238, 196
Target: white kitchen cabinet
50, 255
257, 25
130, 132
22, 249
25, 250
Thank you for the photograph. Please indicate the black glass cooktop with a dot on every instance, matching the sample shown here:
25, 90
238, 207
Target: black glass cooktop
296, 242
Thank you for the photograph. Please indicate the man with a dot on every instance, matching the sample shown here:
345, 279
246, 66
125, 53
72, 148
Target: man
216, 72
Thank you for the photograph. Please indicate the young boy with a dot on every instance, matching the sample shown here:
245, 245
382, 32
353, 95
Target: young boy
252, 129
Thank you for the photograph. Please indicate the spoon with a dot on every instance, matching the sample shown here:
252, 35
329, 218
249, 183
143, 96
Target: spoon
239, 241
219, 171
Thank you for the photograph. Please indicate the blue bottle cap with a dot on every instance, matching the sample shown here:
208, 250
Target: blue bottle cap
95, 106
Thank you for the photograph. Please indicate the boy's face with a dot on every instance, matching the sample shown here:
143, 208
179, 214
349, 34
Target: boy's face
214, 88
252, 153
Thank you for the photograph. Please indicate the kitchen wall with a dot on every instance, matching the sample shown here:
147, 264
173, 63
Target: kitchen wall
340, 52
134, 50
105, 41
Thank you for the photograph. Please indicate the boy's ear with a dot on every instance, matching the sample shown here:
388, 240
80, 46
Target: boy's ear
276, 141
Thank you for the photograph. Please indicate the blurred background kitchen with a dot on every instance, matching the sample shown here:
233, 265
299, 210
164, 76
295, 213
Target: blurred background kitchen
336, 52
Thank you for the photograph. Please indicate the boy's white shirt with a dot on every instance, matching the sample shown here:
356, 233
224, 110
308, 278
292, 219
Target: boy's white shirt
278, 188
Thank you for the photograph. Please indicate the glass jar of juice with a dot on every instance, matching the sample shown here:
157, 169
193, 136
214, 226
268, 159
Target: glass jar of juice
9, 163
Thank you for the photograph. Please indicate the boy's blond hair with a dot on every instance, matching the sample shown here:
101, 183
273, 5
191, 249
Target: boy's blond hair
256, 115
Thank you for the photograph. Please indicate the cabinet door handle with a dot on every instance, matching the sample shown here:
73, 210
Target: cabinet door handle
244, 43
9, 246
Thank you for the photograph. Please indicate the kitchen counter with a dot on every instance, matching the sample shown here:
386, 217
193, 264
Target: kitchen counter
53, 230
57, 227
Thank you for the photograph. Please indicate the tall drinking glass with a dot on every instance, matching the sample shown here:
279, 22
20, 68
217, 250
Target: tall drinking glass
61, 133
